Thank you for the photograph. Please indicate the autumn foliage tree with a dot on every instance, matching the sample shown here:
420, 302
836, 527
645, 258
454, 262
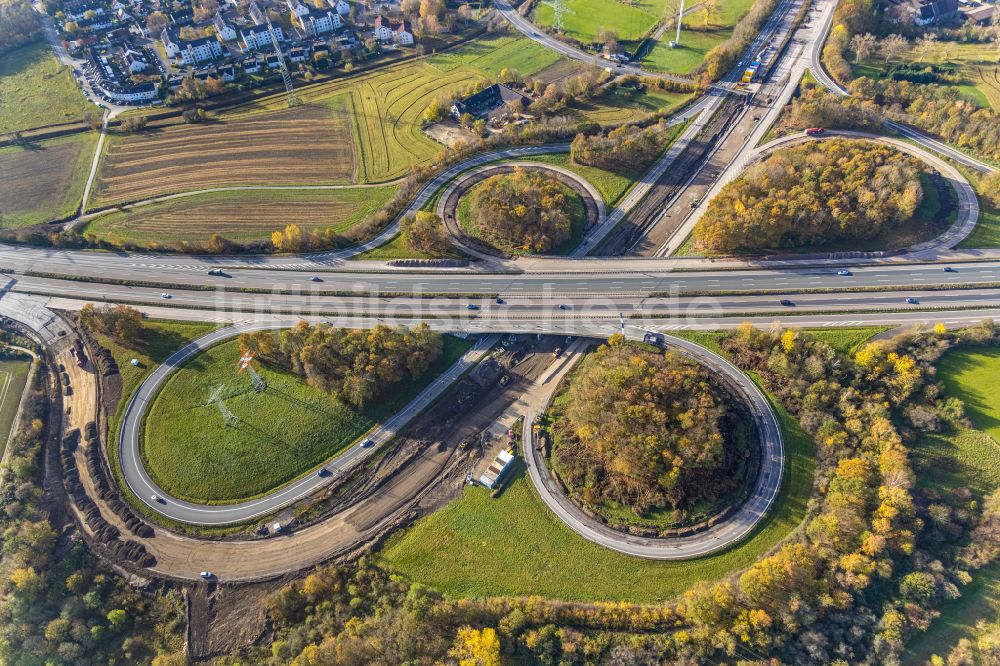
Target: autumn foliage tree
425, 233
523, 210
643, 429
356, 366
813, 194
621, 149
118, 321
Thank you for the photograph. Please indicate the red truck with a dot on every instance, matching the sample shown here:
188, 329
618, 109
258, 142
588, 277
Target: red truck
815, 131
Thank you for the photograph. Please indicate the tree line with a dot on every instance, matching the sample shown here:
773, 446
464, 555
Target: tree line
643, 429
523, 210
356, 366
813, 194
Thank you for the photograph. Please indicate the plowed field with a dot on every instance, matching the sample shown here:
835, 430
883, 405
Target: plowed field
305, 145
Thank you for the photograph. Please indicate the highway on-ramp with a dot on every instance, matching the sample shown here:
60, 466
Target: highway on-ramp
145, 489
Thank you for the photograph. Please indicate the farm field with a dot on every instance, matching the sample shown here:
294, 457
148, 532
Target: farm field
283, 433
36, 90
460, 548
14, 368
492, 53
43, 181
240, 215
305, 145
965, 459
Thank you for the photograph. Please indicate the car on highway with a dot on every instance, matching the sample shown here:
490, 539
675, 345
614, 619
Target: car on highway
787, 303
216, 271
471, 306
564, 306
949, 269
157, 499
207, 575
912, 301
843, 271
165, 295
815, 131
315, 278
323, 473
367, 444
500, 301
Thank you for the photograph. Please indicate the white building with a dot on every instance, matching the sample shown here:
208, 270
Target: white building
319, 21
200, 50
135, 61
225, 31
258, 38
340, 6
390, 31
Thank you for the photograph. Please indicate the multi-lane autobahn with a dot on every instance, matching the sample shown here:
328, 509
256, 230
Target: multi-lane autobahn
577, 295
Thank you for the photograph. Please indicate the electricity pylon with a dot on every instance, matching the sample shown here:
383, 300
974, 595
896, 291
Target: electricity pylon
227, 416
558, 9
258, 382
259, 15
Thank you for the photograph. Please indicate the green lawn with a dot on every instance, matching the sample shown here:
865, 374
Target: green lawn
477, 546
240, 214
44, 181
689, 55
965, 459
585, 17
35, 90
491, 53
282, 434
14, 368
397, 249
624, 105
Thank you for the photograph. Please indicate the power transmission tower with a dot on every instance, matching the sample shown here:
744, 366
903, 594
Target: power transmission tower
259, 15
227, 416
258, 382
558, 9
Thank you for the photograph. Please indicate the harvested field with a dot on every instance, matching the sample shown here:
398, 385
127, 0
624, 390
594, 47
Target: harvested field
43, 181
241, 215
987, 79
305, 145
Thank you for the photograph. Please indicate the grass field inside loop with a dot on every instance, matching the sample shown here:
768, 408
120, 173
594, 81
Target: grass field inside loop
281, 434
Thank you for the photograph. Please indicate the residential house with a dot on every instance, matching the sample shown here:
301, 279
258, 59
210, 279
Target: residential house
319, 21
272, 60
982, 15
397, 32
228, 73
134, 60
226, 32
488, 101
297, 54
257, 38
109, 85
251, 65
340, 6
297, 8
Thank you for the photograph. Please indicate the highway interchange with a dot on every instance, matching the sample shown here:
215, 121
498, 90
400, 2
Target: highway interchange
577, 295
